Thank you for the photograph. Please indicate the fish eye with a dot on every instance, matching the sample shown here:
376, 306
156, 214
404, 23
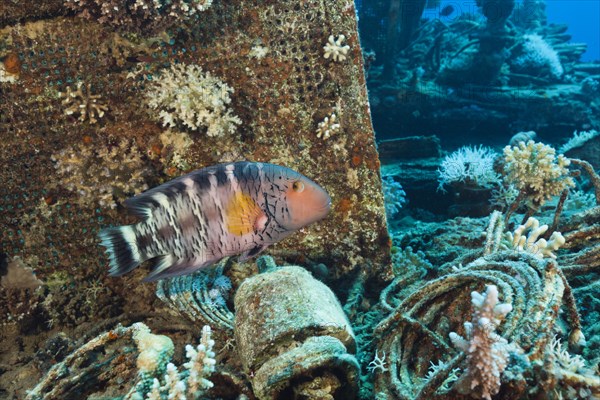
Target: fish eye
298, 186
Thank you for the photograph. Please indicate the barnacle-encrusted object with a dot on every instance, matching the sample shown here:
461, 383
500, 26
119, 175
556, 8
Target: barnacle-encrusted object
83, 104
139, 15
416, 333
199, 296
293, 336
94, 363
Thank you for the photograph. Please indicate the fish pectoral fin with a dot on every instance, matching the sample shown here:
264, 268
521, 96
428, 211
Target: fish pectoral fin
243, 215
167, 266
252, 252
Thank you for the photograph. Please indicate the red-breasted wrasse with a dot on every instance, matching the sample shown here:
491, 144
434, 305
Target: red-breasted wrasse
224, 210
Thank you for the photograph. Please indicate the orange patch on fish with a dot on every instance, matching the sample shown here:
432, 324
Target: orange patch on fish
243, 215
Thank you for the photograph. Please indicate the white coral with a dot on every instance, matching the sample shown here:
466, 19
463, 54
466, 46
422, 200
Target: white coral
487, 352
83, 103
538, 247
335, 49
577, 140
186, 95
533, 168
328, 127
201, 363
537, 53
472, 165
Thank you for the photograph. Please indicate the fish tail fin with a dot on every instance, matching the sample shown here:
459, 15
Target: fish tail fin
121, 246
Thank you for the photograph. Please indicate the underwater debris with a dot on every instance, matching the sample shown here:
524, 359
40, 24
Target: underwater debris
328, 127
290, 329
415, 332
75, 374
199, 296
106, 173
81, 102
107, 356
187, 96
486, 352
335, 49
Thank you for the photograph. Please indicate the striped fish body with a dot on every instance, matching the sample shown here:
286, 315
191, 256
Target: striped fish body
224, 210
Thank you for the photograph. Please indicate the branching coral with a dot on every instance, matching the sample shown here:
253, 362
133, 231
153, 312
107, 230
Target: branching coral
577, 140
487, 352
335, 49
539, 247
107, 173
415, 333
187, 96
535, 170
160, 378
104, 357
83, 103
328, 127
139, 15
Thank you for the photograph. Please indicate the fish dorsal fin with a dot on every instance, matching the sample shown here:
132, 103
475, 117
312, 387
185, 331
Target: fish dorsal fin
243, 215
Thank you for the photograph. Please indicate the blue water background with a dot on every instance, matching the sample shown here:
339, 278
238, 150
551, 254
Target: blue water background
582, 17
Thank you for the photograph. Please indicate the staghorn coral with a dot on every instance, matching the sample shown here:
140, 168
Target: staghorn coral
148, 16
487, 352
107, 174
186, 96
83, 103
109, 356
